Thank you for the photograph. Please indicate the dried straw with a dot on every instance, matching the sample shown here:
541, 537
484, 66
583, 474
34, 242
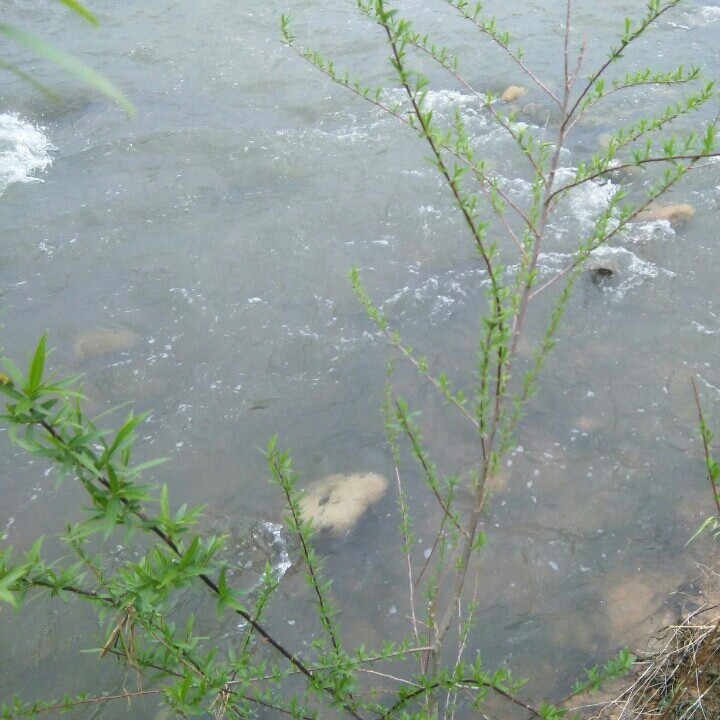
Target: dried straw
680, 680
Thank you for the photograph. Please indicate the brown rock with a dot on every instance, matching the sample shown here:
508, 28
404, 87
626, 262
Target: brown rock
586, 423
336, 502
674, 213
512, 93
102, 342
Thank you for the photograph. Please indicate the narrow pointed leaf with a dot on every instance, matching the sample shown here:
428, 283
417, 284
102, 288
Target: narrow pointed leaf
81, 10
30, 80
69, 64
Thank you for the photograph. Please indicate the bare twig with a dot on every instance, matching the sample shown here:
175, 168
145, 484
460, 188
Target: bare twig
408, 559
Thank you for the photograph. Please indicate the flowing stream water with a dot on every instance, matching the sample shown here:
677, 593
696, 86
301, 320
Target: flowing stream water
206, 243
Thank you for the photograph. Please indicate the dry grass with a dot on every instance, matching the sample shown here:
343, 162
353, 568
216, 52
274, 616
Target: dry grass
679, 679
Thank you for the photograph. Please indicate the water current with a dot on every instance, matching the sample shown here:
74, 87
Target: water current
209, 239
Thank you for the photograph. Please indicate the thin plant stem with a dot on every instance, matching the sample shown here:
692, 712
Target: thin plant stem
408, 559
210, 583
652, 17
512, 55
706, 447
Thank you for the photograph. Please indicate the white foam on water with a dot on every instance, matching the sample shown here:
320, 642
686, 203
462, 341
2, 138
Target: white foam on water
629, 271
348, 128
706, 15
345, 127
517, 187
710, 14
24, 150
438, 296
444, 103
703, 328
647, 231
588, 200
713, 388
276, 541
442, 99
434, 99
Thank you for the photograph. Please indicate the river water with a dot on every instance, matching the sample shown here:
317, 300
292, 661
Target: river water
212, 234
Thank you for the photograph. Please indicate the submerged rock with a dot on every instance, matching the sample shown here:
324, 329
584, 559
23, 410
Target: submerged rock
604, 140
625, 174
603, 264
337, 502
512, 93
600, 274
251, 543
615, 270
538, 113
102, 342
674, 213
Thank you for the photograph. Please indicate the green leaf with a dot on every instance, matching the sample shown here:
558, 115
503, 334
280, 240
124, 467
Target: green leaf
69, 64
164, 503
34, 553
111, 512
28, 78
137, 469
17, 378
7, 580
124, 434
85, 461
81, 10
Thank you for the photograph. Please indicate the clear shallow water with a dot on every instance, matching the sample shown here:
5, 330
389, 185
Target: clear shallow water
218, 227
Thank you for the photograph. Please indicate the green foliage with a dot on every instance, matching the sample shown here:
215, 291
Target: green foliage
137, 598
613, 668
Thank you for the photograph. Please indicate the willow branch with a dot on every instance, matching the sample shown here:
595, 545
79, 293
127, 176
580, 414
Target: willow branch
708, 458
518, 61
582, 256
481, 176
206, 580
483, 101
623, 45
622, 166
